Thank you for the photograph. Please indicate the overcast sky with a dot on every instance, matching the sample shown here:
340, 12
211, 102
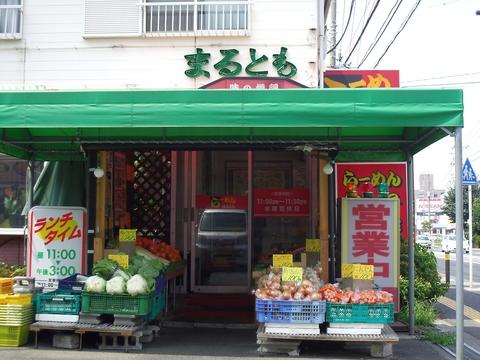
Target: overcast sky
439, 42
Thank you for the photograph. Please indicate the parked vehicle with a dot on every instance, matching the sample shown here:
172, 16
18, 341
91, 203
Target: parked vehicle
424, 240
449, 243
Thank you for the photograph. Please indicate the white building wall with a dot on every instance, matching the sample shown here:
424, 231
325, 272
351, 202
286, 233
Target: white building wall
52, 53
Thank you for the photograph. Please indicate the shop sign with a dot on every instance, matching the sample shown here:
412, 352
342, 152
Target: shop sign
282, 260
429, 205
127, 235
292, 274
354, 79
227, 66
237, 83
280, 202
392, 174
221, 202
370, 235
57, 241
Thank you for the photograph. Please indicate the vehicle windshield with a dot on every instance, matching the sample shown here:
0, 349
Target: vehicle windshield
228, 222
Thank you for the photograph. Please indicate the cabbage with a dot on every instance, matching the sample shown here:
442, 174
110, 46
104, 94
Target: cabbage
95, 284
137, 285
116, 285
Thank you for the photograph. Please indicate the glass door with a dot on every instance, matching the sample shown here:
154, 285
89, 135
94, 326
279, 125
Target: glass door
221, 249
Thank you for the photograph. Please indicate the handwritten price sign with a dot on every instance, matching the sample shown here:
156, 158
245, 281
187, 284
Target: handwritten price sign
127, 235
281, 260
292, 274
121, 260
312, 245
357, 271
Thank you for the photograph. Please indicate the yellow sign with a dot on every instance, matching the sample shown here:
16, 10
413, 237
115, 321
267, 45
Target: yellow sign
121, 260
292, 274
447, 255
281, 260
128, 235
358, 271
313, 245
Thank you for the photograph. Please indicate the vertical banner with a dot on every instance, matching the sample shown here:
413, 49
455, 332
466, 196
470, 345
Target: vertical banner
393, 174
370, 235
57, 241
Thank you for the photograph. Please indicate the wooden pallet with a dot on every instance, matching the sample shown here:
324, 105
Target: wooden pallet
105, 330
380, 345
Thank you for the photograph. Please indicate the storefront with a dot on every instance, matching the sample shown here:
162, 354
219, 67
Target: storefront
259, 152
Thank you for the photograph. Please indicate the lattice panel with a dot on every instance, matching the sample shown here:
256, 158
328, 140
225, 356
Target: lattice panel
152, 194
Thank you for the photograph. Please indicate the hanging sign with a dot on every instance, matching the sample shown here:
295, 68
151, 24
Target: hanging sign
281, 260
312, 245
280, 202
57, 241
120, 259
292, 274
127, 235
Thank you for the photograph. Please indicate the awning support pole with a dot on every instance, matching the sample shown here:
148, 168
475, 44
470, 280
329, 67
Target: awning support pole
459, 252
411, 247
332, 238
30, 177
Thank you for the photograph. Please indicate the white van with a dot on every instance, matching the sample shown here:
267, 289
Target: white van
449, 243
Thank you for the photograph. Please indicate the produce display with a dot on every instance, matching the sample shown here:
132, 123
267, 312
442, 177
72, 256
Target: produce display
271, 287
159, 248
138, 279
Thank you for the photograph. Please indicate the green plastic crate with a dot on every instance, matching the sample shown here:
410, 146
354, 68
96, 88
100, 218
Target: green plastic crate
57, 303
158, 306
360, 313
14, 335
116, 304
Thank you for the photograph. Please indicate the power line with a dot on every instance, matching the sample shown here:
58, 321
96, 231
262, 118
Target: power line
344, 30
443, 77
399, 31
382, 29
363, 30
444, 84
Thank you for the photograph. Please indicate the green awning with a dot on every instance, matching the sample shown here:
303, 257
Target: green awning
61, 124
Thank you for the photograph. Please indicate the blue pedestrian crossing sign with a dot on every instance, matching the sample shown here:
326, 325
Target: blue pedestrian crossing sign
468, 175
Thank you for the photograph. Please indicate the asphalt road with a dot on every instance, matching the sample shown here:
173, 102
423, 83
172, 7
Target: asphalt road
466, 268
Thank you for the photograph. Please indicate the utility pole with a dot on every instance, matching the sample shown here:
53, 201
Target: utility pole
333, 33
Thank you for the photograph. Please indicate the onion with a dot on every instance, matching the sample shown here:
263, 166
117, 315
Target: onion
306, 283
307, 298
298, 296
316, 297
287, 295
275, 285
307, 290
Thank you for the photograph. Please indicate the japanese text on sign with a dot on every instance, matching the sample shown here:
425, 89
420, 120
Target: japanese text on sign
357, 271
281, 260
292, 274
392, 174
127, 235
280, 202
354, 79
229, 67
56, 243
312, 245
370, 236
120, 259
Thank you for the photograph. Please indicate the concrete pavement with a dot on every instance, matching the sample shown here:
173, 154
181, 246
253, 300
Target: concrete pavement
220, 343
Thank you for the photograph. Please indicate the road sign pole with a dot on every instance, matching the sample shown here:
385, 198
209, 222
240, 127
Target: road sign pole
470, 231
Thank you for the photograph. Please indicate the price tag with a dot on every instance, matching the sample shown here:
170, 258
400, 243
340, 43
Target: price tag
127, 235
347, 270
120, 259
292, 274
362, 272
281, 260
312, 245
